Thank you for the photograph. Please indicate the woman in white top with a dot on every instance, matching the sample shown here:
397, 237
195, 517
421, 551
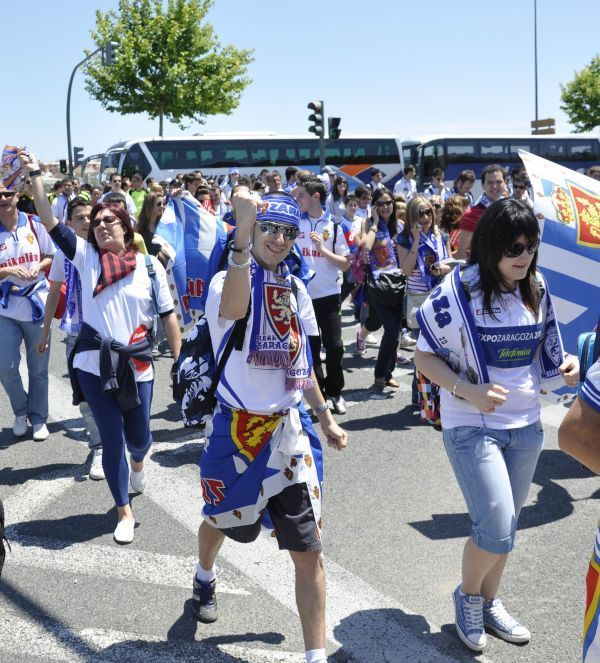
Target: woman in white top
488, 336
335, 200
111, 364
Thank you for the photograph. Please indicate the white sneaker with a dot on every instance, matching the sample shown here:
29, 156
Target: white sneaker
96, 469
20, 425
124, 531
372, 340
40, 432
407, 341
138, 480
339, 404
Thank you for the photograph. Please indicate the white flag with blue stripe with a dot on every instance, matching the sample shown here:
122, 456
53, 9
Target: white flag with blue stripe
568, 206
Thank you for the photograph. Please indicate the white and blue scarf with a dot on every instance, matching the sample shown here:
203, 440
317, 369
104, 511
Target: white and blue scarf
277, 337
72, 318
434, 242
447, 324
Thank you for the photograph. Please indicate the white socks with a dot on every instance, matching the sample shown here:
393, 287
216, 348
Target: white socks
205, 576
315, 656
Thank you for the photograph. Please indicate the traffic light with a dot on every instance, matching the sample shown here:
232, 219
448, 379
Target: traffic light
62, 165
109, 53
77, 155
317, 119
333, 124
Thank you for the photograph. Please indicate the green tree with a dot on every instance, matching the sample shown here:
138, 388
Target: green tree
581, 97
169, 63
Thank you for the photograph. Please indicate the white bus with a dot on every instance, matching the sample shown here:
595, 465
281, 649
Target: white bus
355, 157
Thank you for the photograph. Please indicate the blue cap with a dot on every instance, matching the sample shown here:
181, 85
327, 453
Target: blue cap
280, 208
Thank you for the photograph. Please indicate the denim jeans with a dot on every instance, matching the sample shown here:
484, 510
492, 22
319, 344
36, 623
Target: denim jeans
494, 469
94, 440
35, 403
391, 319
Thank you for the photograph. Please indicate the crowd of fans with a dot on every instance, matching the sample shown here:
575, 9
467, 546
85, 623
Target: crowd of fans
389, 252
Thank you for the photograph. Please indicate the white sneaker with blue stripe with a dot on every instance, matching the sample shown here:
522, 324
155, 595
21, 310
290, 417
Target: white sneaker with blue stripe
468, 616
506, 627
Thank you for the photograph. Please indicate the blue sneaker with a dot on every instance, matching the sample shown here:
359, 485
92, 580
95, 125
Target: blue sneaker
497, 619
204, 601
468, 616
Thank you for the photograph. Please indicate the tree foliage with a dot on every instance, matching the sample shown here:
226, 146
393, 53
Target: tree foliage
581, 97
169, 64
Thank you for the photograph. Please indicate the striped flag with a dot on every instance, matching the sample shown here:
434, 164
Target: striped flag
187, 234
568, 206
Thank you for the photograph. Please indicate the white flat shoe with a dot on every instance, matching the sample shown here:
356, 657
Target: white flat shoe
124, 531
138, 480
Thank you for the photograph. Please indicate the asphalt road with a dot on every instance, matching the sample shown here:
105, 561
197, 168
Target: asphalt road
395, 524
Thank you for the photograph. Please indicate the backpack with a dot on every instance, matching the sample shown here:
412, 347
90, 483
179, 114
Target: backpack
588, 351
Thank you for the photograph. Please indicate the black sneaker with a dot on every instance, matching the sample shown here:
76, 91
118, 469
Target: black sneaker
204, 601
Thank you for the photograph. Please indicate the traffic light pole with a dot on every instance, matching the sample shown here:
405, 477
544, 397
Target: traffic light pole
321, 153
69, 150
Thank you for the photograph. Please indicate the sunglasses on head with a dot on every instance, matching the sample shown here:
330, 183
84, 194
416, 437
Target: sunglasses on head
271, 228
384, 203
108, 219
425, 212
7, 194
517, 248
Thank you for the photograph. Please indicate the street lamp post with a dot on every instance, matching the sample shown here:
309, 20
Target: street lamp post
107, 58
535, 56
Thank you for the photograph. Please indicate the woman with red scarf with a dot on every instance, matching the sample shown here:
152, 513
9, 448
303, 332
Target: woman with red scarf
111, 364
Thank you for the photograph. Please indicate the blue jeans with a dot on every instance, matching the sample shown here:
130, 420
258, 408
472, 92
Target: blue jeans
94, 441
117, 430
391, 319
494, 469
35, 403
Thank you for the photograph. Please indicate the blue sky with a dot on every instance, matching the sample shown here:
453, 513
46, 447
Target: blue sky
390, 67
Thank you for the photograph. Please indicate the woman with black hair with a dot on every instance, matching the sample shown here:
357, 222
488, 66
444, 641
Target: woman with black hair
377, 238
153, 208
111, 363
488, 338
335, 200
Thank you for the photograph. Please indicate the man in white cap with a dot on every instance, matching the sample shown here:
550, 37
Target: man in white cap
232, 180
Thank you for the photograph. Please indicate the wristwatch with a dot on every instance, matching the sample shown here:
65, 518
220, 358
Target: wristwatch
321, 408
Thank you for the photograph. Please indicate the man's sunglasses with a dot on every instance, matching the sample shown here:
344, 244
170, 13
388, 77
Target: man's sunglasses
437, 205
270, 228
7, 194
517, 249
107, 220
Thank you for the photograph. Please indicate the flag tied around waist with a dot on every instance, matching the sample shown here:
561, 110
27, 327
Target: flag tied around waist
187, 234
569, 254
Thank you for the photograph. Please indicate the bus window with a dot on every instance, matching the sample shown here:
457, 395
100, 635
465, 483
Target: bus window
582, 150
516, 145
553, 149
463, 153
433, 157
494, 151
135, 160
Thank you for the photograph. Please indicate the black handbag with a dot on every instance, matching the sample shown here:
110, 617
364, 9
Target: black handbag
387, 288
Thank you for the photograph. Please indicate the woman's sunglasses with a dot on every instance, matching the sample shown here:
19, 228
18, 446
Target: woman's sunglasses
384, 203
270, 228
109, 219
517, 249
437, 205
425, 212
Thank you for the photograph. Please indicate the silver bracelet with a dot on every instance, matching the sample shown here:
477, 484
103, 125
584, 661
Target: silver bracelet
321, 408
233, 264
454, 387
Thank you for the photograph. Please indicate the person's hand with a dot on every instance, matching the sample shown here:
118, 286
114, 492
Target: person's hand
34, 272
42, 344
21, 273
245, 205
28, 161
415, 231
485, 397
317, 240
569, 370
337, 438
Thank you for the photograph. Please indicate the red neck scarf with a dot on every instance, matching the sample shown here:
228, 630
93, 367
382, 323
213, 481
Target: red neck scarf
113, 268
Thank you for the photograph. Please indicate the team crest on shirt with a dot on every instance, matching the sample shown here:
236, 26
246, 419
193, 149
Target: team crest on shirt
29, 238
326, 235
551, 343
278, 308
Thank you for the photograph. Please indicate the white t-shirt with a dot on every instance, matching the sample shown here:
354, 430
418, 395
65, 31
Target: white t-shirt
21, 248
325, 281
131, 208
253, 388
509, 345
408, 188
122, 308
